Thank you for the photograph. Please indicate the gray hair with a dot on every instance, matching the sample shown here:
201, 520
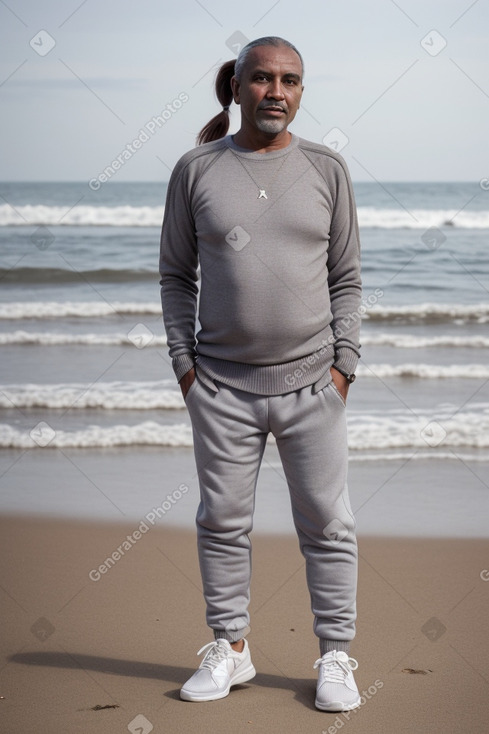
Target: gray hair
265, 41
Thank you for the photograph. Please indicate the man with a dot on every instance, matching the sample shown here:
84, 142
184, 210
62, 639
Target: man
270, 218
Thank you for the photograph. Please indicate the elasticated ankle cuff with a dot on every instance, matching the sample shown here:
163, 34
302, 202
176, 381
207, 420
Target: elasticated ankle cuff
330, 645
230, 636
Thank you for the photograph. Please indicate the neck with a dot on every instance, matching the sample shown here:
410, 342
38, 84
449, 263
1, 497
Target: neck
262, 142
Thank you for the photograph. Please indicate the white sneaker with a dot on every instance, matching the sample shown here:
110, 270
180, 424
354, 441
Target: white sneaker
221, 668
336, 689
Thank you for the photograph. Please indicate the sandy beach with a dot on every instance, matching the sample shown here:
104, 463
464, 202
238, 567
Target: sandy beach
90, 646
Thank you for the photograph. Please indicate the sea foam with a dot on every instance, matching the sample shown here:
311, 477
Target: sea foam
399, 341
441, 430
152, 216
424, 312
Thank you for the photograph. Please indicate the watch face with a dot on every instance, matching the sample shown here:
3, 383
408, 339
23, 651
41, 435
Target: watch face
351, 378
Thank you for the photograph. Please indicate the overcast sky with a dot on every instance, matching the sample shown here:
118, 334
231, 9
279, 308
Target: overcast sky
403, 85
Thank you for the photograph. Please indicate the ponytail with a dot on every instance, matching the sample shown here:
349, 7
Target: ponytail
219, 125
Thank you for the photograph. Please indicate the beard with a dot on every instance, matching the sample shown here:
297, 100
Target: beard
271, 126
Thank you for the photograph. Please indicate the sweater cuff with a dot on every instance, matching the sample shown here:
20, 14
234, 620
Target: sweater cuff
182, 364
346, 360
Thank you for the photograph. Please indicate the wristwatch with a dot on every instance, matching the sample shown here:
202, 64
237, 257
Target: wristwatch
350, 377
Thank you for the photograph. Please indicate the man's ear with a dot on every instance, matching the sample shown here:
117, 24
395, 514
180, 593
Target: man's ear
235, 87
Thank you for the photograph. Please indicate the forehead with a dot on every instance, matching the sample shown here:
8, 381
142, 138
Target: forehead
277, 59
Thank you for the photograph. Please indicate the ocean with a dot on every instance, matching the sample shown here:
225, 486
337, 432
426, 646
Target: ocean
87, 390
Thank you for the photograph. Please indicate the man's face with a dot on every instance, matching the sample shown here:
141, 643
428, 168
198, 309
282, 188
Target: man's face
270, 89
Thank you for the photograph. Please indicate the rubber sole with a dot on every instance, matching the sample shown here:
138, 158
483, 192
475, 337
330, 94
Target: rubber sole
242, 677
337, 706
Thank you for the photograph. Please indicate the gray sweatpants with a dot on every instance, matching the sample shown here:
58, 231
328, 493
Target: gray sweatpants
230, 429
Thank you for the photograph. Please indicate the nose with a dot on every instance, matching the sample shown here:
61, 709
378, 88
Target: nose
275, 90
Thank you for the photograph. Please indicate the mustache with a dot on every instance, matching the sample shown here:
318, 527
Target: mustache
272, 105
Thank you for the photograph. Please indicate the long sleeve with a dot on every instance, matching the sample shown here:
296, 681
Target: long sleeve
344, 279
179, 276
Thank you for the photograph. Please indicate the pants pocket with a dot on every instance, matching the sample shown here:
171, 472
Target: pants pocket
191, 389
336, 392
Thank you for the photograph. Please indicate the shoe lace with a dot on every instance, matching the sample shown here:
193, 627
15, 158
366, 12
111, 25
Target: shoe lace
214, 653
334, 669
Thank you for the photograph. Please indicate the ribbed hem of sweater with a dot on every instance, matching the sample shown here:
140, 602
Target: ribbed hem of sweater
275, 379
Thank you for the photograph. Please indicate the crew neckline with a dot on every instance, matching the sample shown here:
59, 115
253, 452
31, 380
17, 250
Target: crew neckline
252, 154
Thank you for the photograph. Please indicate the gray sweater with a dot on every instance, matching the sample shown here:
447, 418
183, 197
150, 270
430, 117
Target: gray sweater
276, 238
